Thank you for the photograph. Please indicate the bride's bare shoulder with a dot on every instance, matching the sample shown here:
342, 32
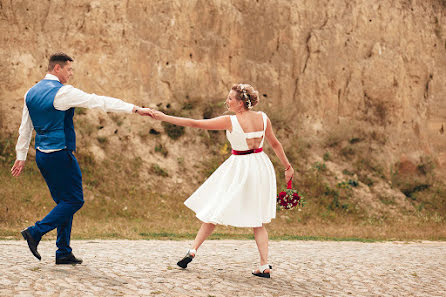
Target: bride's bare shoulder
261, 113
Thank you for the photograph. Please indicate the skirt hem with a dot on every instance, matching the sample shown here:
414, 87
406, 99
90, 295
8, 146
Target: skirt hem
233, 225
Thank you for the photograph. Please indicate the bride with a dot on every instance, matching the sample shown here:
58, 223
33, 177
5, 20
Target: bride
242, 191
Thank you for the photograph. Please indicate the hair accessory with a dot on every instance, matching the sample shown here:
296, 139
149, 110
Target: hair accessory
245, 95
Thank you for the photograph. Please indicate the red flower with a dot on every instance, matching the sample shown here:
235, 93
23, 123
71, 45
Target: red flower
296, 197
282, 195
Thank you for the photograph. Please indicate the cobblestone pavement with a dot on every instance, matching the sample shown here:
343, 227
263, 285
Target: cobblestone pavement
222, 268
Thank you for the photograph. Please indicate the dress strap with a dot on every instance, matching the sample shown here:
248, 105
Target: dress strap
235, 124
256, 134
265, 122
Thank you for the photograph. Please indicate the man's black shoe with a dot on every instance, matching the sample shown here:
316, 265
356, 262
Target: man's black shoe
70, 259
32, 243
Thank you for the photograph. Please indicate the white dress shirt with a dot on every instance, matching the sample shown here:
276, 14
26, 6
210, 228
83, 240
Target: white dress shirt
66, 98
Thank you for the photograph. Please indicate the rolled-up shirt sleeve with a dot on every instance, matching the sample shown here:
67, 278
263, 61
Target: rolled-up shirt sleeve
25, 134
68, 96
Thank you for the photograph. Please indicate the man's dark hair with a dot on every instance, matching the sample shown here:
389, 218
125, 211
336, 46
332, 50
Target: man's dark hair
58, 58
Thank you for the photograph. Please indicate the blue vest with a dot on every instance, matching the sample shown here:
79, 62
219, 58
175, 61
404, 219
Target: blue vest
54, 128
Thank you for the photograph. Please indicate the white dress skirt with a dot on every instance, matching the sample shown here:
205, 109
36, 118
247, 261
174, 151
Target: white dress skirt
242, 191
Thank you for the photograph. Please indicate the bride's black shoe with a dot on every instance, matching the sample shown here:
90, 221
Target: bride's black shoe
262, 272
187, 259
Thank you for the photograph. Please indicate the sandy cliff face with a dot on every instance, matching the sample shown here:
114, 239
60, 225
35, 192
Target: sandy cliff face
376, 66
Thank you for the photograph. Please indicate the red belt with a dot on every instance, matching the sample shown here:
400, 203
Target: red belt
254, 151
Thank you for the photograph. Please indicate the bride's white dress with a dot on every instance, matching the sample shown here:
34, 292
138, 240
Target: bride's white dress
242, 191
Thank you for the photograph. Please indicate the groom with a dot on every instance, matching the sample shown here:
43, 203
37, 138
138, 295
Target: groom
49, 109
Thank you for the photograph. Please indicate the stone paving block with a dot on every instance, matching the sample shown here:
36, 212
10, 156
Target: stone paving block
223, 268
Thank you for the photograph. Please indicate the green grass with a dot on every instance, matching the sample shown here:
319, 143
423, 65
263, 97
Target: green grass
156, 169
121, 204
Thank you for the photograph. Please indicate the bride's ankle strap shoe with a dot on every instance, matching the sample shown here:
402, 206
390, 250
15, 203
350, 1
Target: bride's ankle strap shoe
262, 272
187, 259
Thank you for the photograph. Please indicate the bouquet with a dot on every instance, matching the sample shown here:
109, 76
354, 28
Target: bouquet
289, 198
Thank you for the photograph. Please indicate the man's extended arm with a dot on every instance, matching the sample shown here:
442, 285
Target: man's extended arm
69, 96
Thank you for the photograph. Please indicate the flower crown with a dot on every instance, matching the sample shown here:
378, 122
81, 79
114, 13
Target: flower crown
245, 95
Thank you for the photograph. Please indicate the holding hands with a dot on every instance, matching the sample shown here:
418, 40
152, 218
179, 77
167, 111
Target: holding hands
155, 114
143, 111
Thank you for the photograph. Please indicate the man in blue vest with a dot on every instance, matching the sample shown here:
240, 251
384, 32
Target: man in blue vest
49, 109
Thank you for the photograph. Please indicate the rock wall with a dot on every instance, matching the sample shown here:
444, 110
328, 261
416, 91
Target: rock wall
376, 65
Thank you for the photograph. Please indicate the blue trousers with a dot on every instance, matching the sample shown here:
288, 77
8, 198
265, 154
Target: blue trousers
64, 179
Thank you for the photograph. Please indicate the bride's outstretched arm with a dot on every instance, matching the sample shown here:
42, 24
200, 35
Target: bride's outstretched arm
218, 123
278, 149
